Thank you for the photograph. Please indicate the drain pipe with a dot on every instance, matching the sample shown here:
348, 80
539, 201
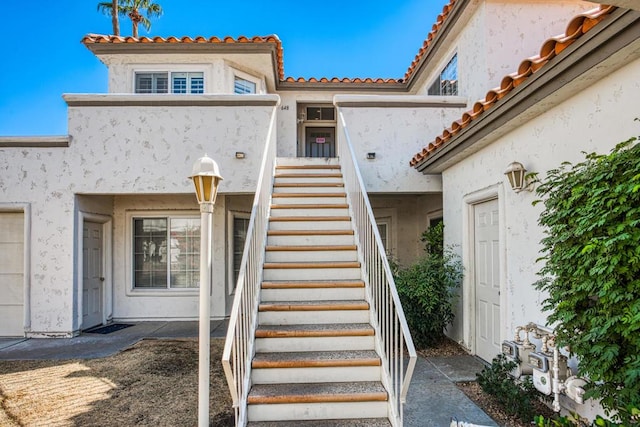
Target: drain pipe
556, 375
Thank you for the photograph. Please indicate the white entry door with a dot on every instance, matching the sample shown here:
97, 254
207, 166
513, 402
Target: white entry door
487, 280
93, 278
11, 274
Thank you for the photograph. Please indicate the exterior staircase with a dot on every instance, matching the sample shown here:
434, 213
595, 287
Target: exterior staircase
315, 362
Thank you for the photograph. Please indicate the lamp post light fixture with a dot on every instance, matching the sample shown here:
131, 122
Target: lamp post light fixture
516, 173
206, 178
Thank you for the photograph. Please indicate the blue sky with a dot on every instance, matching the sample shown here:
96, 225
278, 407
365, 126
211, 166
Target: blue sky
41, 55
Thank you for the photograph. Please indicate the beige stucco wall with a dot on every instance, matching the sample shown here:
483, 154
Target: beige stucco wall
395, 135
119, 151
493, 40
595, 119
218, 69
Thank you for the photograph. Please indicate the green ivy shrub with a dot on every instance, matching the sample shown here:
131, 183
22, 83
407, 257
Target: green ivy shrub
427, 290
574, 420
516, 398
591, 252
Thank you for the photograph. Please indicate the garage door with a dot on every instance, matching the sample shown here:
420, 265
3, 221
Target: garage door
11, 274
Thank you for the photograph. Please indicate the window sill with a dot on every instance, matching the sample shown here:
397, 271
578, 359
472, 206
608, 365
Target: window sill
192, 292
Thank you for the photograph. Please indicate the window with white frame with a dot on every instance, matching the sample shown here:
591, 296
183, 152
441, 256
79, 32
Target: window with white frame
243, 86
181, 82
152, 83
166, 252
239, 230
447, 81
384, 226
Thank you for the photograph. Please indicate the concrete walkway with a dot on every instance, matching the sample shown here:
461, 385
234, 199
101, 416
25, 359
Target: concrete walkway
433, 398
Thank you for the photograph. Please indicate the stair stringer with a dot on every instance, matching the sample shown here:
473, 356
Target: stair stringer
242, 419
394, 418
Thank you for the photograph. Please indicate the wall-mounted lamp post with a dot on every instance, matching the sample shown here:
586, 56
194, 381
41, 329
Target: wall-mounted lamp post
516, 173
206, 177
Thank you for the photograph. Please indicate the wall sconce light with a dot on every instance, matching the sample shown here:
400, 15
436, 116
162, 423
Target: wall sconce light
239, 154
517, 175
371, 156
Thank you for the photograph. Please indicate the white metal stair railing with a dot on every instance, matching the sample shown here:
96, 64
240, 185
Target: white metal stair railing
388, 318
238, 348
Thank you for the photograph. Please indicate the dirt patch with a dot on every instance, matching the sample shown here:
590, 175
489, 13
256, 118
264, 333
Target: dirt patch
493, 408
153, 383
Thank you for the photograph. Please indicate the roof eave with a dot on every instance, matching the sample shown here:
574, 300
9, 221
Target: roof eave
171, 48
349, 86
618, 31
437, 43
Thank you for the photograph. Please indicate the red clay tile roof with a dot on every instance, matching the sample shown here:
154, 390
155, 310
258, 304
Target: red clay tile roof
578, 26
427, 42
90, 39
96, 38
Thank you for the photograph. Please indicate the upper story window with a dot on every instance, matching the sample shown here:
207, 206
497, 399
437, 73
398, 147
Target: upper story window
321, 113
187, 83
152, 83
158, 82
243, 86
447, 81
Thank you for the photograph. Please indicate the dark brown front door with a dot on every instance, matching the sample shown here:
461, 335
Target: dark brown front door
320, 142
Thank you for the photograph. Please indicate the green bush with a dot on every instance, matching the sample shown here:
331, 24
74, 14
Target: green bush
427, 290
516, 398
574, 420
592, 270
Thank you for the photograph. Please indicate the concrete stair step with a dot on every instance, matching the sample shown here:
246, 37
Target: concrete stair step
302, 255
308, 167
315, 367
307, 161
364, 391
308, 187
309, 206
292, 294
305, 238
314, 330
313, 290
304, 401
327, 305
309, 179
314, 337
311, 359
310, 265
316, 411
307, 174
303, 195
302, 211
310, 223
318, 312
324, 198
314, 284
280, 271
362, 422
310, 233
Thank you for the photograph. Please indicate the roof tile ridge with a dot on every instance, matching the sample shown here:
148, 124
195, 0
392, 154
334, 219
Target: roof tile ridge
578, 25
441, 18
